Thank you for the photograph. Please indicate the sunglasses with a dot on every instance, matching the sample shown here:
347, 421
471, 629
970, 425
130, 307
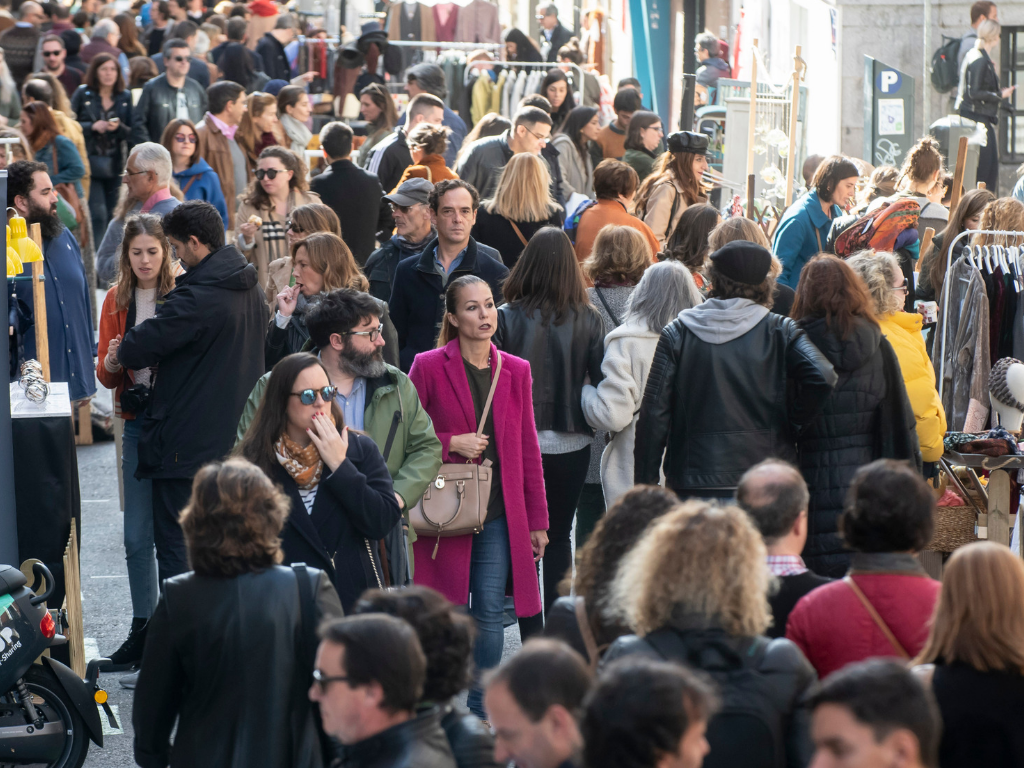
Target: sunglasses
181, 59
289, 224
322, 681
48, 54
308, 396
269, 173
181, 138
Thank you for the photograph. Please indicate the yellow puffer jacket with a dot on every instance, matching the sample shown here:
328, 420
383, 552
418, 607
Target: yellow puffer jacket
903, 330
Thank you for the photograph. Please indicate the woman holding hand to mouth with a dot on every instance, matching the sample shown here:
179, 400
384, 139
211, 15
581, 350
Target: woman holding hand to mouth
320, 263
550, 322
145, 275
453, 382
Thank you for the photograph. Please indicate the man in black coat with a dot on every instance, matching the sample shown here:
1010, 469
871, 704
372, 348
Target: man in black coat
417, 300
776, 497
207, 339
271, 48
552, 34
731, 383
197, 69
354, 194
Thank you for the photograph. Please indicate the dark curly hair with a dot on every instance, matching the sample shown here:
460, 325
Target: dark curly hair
889, 508
445, 634
233, 521
614, 535
723, 287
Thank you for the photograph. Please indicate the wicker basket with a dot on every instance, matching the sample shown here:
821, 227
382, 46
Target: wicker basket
954, 527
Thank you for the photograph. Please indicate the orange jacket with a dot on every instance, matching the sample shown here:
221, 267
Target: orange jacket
112, 321
607, 212
431, 168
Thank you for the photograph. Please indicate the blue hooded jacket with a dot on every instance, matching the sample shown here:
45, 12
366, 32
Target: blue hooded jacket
205, 185
801, 234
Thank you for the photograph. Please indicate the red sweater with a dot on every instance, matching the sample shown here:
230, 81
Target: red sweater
834, 629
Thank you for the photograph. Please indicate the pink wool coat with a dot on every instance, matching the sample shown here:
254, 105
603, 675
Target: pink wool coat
440, 379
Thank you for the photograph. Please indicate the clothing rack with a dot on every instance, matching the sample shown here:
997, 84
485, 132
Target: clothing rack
447, 46
946, 283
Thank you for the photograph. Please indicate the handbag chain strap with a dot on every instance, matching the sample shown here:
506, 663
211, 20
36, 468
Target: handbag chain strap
373, 564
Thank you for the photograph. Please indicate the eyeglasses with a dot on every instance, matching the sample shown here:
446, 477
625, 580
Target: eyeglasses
322, 681
181, 59
181, 138
543, 139
403, 208
131, 173
308, 396
48, 54
374, 334
270, 173
902, 288
289, 224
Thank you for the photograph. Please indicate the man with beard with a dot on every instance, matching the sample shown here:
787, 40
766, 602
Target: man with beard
68, 315
207, 339
345, 329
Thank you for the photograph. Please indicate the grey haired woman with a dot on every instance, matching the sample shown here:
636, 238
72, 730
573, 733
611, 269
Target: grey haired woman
665, 290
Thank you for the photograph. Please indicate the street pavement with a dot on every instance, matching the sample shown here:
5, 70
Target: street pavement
106, 602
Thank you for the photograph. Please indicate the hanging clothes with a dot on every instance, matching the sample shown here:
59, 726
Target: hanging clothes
499, 88
483, 90
446, 18
478, 23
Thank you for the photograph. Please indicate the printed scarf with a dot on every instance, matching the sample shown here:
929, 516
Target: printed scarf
303, 464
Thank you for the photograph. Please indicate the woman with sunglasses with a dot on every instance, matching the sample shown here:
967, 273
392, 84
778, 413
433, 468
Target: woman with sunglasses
228, 652
279, 188
321, 263
304, 221
193, 175
342, 499
103, 107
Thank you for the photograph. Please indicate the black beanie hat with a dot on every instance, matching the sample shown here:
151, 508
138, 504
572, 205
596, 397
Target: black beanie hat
743, 261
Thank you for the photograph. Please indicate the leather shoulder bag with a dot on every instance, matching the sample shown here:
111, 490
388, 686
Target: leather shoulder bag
455, 504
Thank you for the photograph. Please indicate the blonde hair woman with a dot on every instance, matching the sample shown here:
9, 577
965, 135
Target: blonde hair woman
279, 187
522, 205
304, 221
321, 263
427, 145
695, 590
885, 282
976, 644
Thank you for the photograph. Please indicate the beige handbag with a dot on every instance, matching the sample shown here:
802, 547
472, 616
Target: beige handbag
456, 502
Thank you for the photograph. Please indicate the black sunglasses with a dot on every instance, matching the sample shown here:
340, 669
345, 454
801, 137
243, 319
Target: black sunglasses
308, 396
289, 224
270, 173
322, 681
181, 59
48, 54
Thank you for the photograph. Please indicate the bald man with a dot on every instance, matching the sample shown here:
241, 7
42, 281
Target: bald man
20, 41
775, 496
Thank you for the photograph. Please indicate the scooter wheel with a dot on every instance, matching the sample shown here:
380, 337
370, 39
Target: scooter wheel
49, 696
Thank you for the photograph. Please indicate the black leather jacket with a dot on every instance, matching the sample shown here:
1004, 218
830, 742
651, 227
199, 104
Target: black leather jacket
979, 96
780, 678
715, 410
471, 742
221, 661
158, 105
560, 356
416, 743
88, 108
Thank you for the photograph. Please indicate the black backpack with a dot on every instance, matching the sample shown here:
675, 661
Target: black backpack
747, 730
946, 65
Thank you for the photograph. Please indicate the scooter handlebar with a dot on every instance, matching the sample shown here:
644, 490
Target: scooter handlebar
42, 572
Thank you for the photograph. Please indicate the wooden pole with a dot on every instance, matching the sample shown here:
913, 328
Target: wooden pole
39, 307
958, 173
753, 108
751, 212
926, 243
794, 108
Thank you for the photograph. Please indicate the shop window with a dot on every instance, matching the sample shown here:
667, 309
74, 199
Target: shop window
1011, 72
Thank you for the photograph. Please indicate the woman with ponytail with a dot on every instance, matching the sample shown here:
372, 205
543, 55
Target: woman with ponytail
453, 382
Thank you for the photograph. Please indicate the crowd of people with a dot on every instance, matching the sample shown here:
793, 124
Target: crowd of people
316, 340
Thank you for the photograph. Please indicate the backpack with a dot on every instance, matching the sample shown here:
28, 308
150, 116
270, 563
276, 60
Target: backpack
572, 223
748, 729
946, 65
878, 230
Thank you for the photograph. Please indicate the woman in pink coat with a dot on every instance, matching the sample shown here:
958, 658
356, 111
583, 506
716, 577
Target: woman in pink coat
453, 381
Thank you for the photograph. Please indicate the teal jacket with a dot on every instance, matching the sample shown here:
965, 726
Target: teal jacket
797, 237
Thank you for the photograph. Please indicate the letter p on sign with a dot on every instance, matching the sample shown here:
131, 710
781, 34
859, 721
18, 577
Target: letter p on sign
890, 81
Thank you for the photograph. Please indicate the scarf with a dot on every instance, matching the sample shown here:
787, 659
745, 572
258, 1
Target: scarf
303, 464
297, 132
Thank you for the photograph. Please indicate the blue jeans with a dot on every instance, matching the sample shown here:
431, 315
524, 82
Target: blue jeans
139, 549
488, 573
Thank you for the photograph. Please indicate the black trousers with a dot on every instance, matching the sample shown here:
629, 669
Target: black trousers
170, 496
564, 474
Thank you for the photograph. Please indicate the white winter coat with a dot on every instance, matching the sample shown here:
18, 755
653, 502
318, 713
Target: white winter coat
614, 404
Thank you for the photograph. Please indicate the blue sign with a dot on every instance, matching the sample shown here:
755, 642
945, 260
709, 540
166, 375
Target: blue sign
652, 42
888, 81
